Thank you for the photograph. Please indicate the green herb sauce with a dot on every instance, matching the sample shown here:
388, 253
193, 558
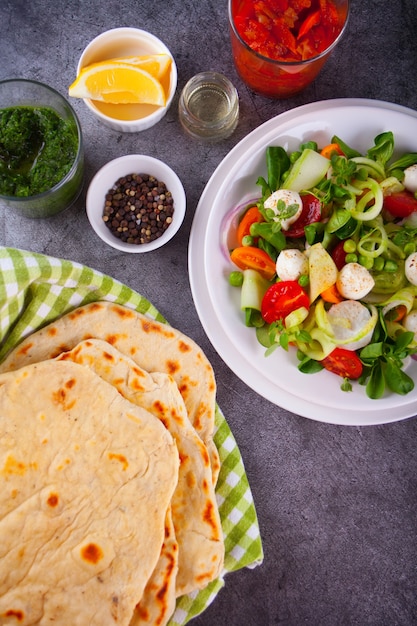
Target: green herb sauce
37, 149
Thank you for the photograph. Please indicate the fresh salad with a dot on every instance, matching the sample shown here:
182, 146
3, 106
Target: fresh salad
326, 261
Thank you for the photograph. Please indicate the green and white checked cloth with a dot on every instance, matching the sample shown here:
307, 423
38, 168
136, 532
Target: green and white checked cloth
36, 289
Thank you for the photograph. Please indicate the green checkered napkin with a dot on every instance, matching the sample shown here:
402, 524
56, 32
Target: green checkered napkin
36, 289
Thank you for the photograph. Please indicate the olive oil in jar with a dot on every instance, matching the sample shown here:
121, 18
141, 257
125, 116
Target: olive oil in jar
209, 106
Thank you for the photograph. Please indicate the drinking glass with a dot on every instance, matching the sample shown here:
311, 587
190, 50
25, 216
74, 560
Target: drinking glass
278, 78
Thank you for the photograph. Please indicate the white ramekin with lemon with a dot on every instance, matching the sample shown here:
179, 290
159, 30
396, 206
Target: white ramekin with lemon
127, 77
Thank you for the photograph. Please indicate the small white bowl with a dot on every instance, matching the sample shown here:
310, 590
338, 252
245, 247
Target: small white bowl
123, 42
109, 174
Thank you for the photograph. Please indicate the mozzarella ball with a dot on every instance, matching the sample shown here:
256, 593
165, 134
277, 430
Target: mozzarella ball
410, 178
348, 320
410, 323
291, 264
354, 281
410, 268
288, 197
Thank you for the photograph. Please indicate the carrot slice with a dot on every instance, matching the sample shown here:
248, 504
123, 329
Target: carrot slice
330, 149
252, 216
397, 314
331, 294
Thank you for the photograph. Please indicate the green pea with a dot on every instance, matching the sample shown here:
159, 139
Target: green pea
294, 156
351, 258
366, 261
236, 279
409, 248
349, 246
304, 280
247, 240
379, 263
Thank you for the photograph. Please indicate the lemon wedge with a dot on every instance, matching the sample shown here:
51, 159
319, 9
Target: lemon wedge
156, 64
118, 83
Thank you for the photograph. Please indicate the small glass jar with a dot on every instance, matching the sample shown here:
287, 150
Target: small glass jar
20, 92
209, 106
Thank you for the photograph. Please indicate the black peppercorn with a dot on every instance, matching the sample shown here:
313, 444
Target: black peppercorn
138, 208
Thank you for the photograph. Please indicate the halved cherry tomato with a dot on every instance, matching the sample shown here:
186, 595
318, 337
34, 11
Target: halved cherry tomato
344, 363
400, 204
338, 255
311, 213
250, 257
252, 216
281, 299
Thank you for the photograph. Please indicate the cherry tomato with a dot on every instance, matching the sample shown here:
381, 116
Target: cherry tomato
311, 213
400, 204
281, 299
252, 216
339, 255
250, 257
344, 363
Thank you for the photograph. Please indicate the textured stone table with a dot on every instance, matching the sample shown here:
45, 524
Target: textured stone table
337, 505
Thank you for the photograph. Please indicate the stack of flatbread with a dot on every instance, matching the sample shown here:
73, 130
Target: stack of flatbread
107, 472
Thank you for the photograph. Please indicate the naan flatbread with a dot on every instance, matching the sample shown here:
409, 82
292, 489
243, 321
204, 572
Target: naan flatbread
87, 478
194, 509
154, 346
159, 598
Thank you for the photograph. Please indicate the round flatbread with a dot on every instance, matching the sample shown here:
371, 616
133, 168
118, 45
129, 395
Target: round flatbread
154, 346
159, 598
194, 508
86, 480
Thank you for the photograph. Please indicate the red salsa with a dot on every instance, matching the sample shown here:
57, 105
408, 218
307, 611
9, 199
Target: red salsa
279, 46
288, 30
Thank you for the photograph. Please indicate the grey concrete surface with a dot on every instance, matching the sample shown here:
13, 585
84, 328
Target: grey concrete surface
337, 505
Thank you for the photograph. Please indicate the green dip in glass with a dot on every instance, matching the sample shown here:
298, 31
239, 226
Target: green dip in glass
41, 149
37, 149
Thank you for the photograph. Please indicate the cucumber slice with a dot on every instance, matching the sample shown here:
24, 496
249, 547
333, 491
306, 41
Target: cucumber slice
254, 287
307, 171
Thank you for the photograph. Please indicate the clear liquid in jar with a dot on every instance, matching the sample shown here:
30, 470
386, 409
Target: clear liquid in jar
209, 103
209, 106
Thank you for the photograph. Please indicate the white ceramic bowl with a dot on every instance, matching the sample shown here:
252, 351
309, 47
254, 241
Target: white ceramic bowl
122, 42
107, 176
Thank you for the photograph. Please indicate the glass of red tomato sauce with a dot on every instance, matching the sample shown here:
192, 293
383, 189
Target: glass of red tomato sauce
279, 46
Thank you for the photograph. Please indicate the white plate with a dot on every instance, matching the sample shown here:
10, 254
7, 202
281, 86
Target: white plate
316, 396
